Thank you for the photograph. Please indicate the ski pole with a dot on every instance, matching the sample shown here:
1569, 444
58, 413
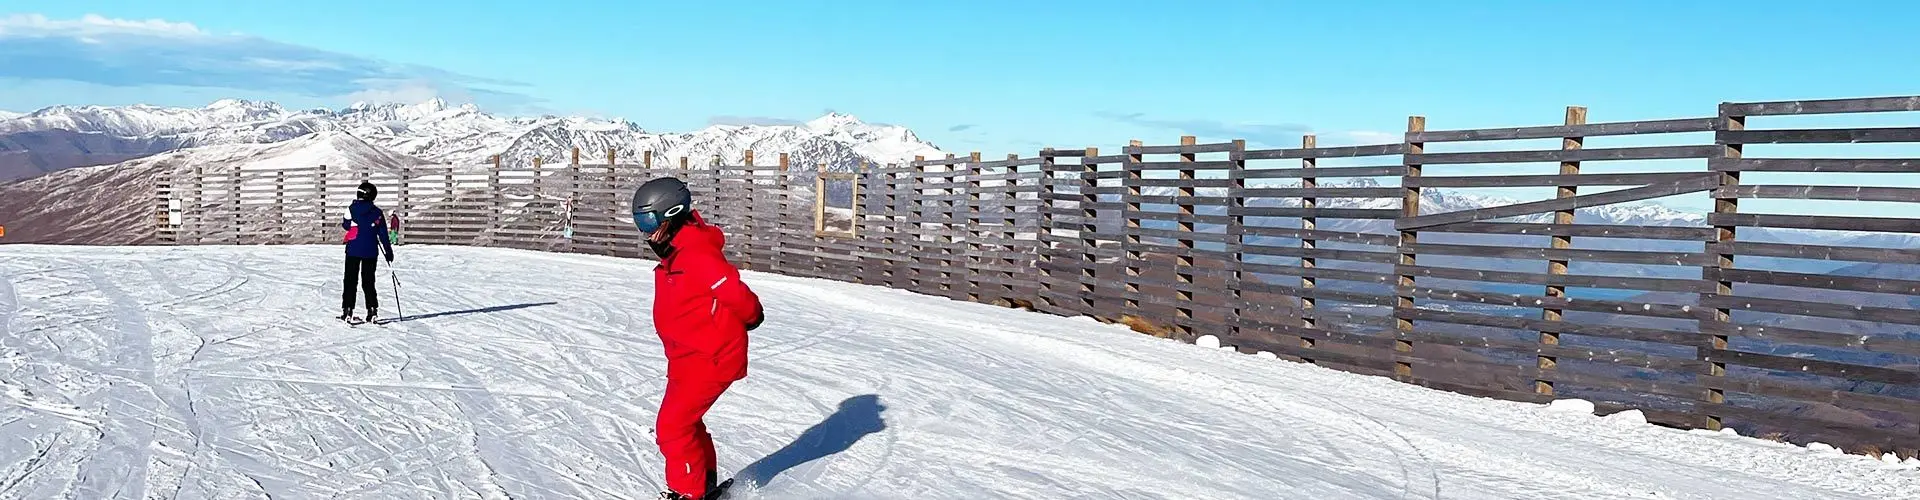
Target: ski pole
397, 310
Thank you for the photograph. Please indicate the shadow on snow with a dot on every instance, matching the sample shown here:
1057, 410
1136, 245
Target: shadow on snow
857, 417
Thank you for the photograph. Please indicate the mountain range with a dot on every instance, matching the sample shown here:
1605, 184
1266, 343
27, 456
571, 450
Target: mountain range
61, 137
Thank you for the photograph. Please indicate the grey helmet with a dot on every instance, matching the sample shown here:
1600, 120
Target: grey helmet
664, 201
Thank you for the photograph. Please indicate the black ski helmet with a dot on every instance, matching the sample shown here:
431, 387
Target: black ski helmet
367, 191
659, 202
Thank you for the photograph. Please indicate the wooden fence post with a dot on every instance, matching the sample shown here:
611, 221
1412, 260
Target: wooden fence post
281, 229
1409, 207
496, 198
1545, 363
916, 222
974, 249
1183, 261
646, 160
1236, 232
1089, 191
1309, 315
1130, 243
1726, 202
781, 214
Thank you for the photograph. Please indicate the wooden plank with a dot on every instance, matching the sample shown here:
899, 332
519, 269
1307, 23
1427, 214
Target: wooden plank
1842, 193
1613, 256
1655, 335
1294, 173
1222, 147
1316, 234
1330, 213
1680, 125
1797, 392
1329, 152
1702, 182
1633, 179
1819, 136
1589, 305
1323, 192
1184, 165
1587, 230
1784, 335
1851, 165
1566, 280
1566, 155
1815, 366
1827, 222
1894, 315
1822, 106
1818, 252
1821, 281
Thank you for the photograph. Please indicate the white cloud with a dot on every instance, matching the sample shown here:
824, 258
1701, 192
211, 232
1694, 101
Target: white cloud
28, 25
158, 53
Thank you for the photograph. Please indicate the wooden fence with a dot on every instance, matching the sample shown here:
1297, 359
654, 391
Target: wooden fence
1357, 258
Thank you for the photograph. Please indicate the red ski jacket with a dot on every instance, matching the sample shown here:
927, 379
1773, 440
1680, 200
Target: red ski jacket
701, 309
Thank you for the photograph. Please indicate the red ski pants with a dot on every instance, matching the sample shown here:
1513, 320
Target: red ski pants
683, 438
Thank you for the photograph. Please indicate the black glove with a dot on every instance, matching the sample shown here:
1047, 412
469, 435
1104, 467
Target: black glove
756, 323
389, 258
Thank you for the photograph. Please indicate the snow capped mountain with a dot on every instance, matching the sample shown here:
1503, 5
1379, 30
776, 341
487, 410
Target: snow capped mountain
464, 135
8, 115
112, 204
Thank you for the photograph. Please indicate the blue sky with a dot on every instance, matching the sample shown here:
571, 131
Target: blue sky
988, 75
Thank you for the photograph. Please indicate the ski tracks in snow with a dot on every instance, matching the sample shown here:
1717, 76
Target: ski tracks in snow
218, 372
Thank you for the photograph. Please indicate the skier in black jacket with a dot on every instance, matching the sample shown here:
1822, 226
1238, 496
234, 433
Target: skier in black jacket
365, 227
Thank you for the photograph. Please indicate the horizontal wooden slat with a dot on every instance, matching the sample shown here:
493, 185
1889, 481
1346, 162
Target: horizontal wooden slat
1565, 327
1569, 280
1589, 305
1180, 149
1701, 183
1819, 136
1330, 213
1562, 155
1844, 193
1680, 125
1852, 165
1828, 222
1589, 230
1814, 366
1330, 152
1325, 192
1613, 256
1548, 180
1818, 252
1180, 165
1294, 173
1874, 284
1822, 106
1893, 315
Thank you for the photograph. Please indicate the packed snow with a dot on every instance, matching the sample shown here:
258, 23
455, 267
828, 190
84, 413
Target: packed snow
218, 372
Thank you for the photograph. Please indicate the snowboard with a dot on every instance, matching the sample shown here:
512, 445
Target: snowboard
718, 491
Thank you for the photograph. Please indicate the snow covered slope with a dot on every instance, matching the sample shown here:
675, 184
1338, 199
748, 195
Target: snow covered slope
215, 372
8, 115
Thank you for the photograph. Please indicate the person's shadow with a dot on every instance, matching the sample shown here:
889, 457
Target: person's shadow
857, 417
468, 311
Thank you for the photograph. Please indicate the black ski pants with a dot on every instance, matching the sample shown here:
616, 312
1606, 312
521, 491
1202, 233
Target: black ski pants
360, 270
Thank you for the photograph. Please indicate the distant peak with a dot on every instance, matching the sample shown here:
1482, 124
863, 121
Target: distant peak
432, 105
833, 120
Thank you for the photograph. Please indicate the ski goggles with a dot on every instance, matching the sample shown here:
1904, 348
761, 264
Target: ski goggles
648, 222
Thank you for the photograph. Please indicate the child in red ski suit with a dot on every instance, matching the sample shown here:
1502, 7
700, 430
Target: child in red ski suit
702, 312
